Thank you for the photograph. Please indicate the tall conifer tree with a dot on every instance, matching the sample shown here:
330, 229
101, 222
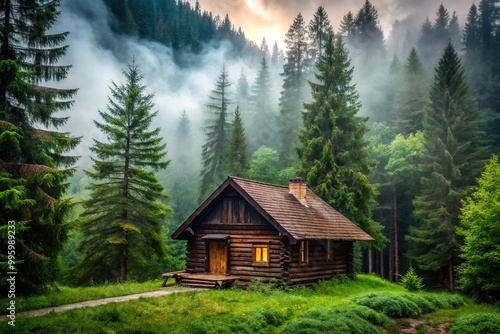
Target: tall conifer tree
261, 124
294, 89
123, 218
334, 155
237, 150
319, 29
214, 151
455, 153
34, 165
411, 96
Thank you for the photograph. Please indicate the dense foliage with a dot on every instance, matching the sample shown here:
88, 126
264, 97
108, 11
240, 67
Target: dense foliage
334, 154
455, 152
34, 165
480, 227
123, 217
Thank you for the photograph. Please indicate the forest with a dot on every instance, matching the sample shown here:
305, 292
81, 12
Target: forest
399, 134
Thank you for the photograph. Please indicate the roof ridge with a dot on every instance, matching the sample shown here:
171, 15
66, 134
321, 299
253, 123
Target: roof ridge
259, 182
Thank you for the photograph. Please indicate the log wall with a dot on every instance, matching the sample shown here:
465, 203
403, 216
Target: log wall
246, 228
317, 267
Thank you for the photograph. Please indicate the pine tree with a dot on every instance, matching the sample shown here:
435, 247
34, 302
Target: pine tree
472, 47
237, 150
123, 218
411, 96
319, 29
183, 176
367, 47
264, 48
275, 55
243, 97
184, 185
34, 165
454, 31
347, 27
455, 153
262, 116
333, 153
294, 89
214, 151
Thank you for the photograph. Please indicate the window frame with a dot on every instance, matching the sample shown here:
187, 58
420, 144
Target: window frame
304, 252
254, 255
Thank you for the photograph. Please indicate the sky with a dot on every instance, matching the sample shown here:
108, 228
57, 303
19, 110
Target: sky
272, 18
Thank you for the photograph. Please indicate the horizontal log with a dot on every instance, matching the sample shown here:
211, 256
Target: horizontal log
249, 264
318, 274
255, 269
243, 274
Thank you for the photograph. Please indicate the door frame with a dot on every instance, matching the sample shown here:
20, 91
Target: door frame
216, 238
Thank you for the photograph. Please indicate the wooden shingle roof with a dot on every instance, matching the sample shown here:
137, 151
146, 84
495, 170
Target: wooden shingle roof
316, 220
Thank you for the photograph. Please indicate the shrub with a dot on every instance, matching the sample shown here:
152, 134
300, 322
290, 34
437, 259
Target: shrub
274, 284
402, 305
411, 281
484, 323
348, 319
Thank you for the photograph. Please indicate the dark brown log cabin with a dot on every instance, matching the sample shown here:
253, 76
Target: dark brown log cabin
252, 229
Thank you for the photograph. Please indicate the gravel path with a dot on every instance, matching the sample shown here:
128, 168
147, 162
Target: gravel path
90, 303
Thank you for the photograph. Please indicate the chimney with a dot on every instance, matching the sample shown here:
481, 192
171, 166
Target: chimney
298, 188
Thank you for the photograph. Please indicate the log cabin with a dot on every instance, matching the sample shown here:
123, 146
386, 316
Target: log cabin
247, 229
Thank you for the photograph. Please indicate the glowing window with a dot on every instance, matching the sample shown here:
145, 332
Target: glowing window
260, 254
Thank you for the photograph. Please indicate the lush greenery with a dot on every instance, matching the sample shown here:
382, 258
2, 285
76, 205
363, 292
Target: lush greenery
484, 323
429, 139
123, 217
34, 161
480, 227
261, 310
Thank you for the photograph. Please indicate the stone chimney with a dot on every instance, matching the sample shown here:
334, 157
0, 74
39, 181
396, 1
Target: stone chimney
298, 188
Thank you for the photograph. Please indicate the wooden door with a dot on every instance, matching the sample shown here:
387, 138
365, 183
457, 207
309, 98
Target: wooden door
218, 257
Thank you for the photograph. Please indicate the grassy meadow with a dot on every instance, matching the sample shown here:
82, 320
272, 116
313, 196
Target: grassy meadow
366, 304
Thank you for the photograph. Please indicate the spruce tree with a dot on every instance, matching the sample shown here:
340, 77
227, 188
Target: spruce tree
214, 150
319, 29
261, 124
454, 31
294, 89
472, 47
367, 46
411, 96
334, 155
237, 150
34, 161
455, 153
123, 218
275, 55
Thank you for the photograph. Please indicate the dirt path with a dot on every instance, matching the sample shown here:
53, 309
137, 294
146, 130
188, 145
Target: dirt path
90, 303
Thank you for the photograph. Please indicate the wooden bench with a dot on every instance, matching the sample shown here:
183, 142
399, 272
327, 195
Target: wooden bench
172, 274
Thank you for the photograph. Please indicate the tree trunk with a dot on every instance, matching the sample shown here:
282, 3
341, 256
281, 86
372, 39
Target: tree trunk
391, 262
382, 263
123, 267
451, 278
370, 264
396, 243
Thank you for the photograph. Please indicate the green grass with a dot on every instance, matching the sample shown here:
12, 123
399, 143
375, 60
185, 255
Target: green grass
300, 310
61, 295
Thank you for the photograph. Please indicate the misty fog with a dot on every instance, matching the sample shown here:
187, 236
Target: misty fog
98, 55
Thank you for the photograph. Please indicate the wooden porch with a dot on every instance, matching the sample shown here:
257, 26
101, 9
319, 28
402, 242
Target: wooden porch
199, 280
